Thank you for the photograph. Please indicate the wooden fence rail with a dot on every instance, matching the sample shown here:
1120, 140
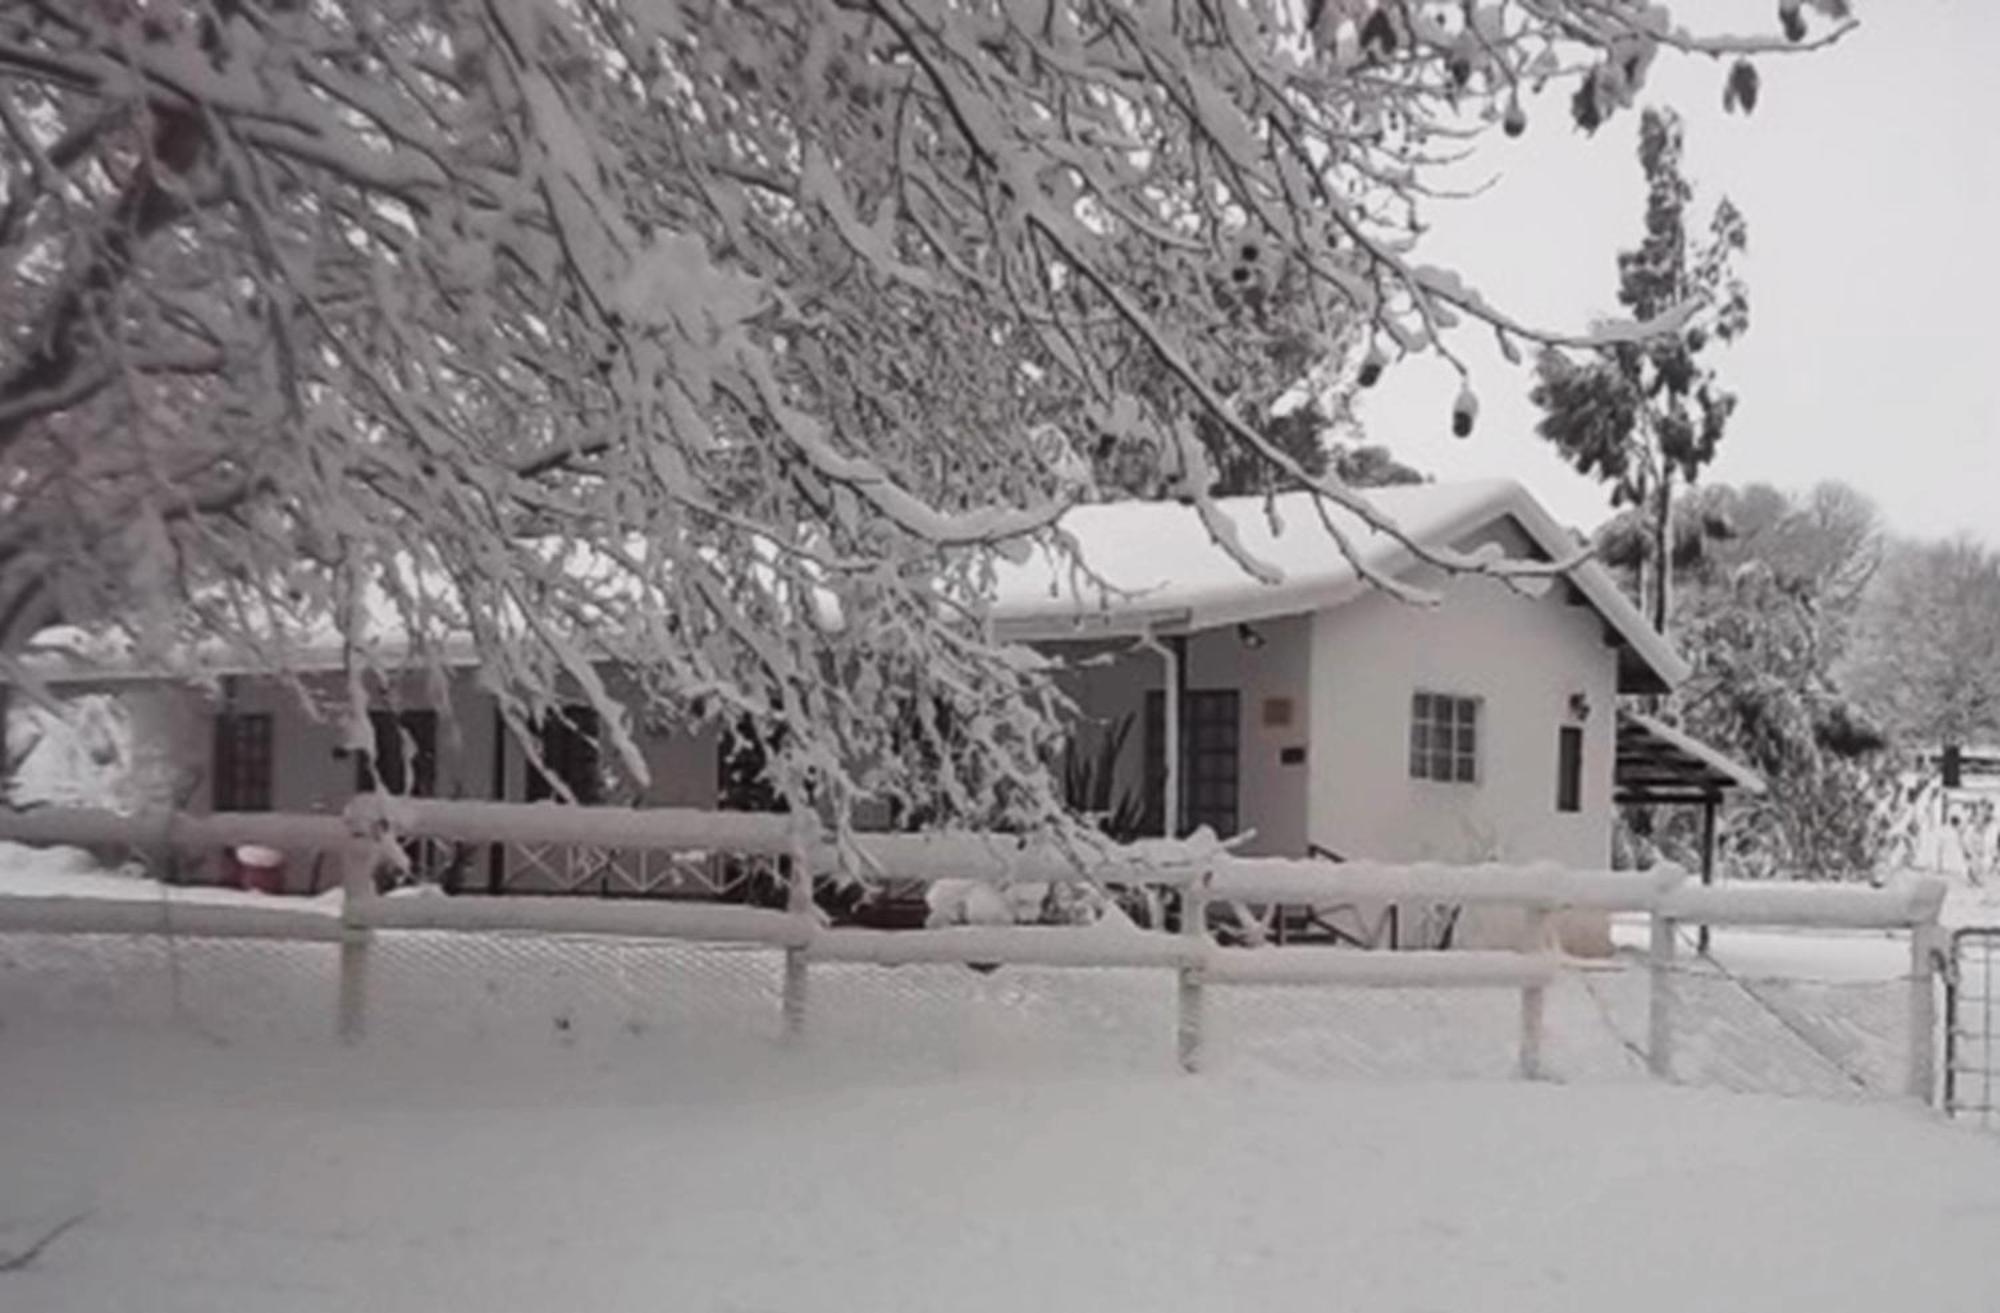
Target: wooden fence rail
1202, 872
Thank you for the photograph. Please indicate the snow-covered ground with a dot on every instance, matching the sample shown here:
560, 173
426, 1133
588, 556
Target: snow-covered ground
542, 1124
29, 872
219, 1183
693, 1173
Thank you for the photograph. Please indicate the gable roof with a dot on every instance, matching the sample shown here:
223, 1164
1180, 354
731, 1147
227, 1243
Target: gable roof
1170, 576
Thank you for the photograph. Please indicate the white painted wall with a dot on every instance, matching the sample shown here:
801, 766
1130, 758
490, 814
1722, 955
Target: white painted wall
1524, 657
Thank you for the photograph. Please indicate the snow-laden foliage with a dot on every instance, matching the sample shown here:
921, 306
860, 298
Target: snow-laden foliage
1638, 415
714, 341
1767, 591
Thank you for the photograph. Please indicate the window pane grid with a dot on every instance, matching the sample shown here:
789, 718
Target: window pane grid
1209, 759
242, 763
1444, 738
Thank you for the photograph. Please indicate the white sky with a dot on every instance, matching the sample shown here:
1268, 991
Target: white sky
1870, 179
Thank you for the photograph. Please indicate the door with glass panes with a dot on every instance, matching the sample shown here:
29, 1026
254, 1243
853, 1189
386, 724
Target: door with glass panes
1210, 760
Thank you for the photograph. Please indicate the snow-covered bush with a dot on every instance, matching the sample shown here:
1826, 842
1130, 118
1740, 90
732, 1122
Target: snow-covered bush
83, 753
1021, 902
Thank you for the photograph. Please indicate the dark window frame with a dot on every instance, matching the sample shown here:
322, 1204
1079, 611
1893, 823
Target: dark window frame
242, 763
1569, 768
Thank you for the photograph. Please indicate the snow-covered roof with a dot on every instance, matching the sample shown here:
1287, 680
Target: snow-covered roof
1167, 574
309, 640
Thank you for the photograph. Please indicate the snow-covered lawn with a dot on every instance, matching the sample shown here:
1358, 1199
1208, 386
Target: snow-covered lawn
545, 1125
710, 1176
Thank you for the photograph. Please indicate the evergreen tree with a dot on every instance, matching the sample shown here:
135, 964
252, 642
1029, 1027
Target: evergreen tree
1639, 415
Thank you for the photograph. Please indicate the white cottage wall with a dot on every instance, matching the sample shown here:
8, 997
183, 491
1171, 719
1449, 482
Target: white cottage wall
1524, 659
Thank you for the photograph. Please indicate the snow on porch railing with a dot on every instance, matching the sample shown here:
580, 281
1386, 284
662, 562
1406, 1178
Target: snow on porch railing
1201, 872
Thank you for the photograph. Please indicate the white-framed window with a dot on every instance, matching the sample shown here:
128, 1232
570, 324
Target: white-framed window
1444, 738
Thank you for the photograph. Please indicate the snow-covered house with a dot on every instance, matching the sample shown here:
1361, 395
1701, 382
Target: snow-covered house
1317, 712
1324, 715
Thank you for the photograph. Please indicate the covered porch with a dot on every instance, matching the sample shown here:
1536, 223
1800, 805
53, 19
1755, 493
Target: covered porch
1658, 765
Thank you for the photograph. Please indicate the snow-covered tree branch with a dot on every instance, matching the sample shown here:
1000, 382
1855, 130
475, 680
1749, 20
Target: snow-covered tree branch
707, 339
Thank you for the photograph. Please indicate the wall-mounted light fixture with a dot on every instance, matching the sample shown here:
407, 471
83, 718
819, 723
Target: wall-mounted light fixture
1249, 637
1579, 706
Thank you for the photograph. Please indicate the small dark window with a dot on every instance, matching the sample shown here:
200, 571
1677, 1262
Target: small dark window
407, 744
568, 744
242, 765
1569, 768
1444, 738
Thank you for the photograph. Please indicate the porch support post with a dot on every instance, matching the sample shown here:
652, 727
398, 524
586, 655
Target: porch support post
1707, 861
1173, 660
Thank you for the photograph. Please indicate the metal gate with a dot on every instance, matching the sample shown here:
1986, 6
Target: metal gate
1972, 1026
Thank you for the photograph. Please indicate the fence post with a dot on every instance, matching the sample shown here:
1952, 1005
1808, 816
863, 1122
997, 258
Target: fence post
799, 902
1194, 930
1660, 1012
1922, 1083
1534, 998
357, 888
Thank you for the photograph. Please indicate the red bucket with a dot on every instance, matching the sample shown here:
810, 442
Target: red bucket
258, 868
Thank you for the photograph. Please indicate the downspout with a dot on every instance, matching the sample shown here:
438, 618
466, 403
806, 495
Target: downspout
1173, 658
1173, 687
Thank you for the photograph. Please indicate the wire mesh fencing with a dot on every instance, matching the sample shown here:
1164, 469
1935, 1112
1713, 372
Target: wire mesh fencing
1972, 1027
1762, 1031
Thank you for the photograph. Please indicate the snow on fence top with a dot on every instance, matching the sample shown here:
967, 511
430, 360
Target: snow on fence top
1199, 863
1539, 884
1911, 903
672, 828
155, 915
586, 916
1002, 857
85, 827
